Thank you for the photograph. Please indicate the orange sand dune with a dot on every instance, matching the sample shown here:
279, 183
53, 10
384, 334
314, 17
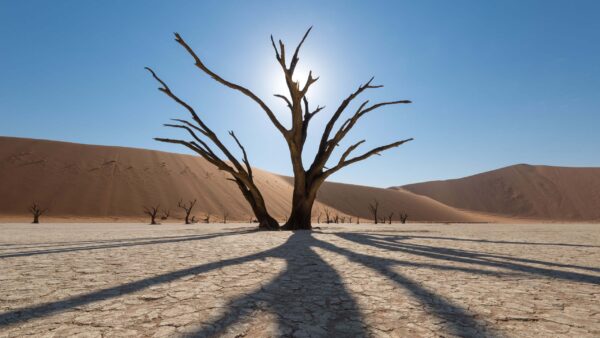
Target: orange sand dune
541, 192
98, 182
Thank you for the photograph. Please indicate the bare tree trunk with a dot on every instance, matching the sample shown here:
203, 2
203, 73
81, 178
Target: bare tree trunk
303, 200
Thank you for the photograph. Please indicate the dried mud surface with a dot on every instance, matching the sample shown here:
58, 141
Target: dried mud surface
467, 280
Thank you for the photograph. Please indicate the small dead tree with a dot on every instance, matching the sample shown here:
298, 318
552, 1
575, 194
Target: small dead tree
187, 207
327, 215
152, 212
319, 217
36, 211
403, 217
350, 220
165, 215
357, 220
207, 218
374, 207
390, 217
225, 215
336, 219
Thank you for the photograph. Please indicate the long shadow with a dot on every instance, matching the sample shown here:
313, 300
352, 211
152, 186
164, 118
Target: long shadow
18, 246
506, 242
489, 255
308, 298
461, 256
456, 319
46, 309
122, 244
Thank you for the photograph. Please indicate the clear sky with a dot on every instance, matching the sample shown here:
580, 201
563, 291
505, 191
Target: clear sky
494, 83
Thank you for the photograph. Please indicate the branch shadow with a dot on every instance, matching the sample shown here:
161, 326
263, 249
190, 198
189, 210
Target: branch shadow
395, 243
50, 308
124, 243
455, 319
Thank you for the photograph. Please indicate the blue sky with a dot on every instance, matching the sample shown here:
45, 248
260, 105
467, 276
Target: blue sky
494, 83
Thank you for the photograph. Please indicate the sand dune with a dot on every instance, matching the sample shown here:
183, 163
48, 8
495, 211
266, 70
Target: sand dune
542, 192
86, 181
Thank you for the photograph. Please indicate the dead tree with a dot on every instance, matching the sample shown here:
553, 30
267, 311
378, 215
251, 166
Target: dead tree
319, 217
152, 212
350, 220
374, 207
36, 211
327, 215
187, 207
357, 220
336, 219
307, 181
225, 215
165, 215
403, 217
390, 217
193, 220
207, 218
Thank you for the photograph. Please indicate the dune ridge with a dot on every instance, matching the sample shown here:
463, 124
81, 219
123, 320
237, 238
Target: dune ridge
524, 191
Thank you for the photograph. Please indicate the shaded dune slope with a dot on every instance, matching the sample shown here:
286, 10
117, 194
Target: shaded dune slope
525, 191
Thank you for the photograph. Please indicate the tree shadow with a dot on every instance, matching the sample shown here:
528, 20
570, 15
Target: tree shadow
504, 242
309, 296
123, 243
397, 243
455, 319
50, 308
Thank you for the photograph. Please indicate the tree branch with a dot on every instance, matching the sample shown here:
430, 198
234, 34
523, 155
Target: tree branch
364, 156
246, 162
234, 86
207, 131
295, 58
340, 110
350, 122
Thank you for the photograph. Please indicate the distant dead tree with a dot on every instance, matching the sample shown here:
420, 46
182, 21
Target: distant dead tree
374, 207
390, 217
342, 220
350, 219
357, 220
187, 207
319, 217
165, 215
207, 218
152, 212
403, 217
327, 215
36, 211
307, 181
193, 220
225, 215
336, 219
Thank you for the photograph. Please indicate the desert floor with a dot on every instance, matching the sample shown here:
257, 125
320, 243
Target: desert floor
395, 280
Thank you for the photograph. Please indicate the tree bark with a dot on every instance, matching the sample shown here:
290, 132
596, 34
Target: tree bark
303, 199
